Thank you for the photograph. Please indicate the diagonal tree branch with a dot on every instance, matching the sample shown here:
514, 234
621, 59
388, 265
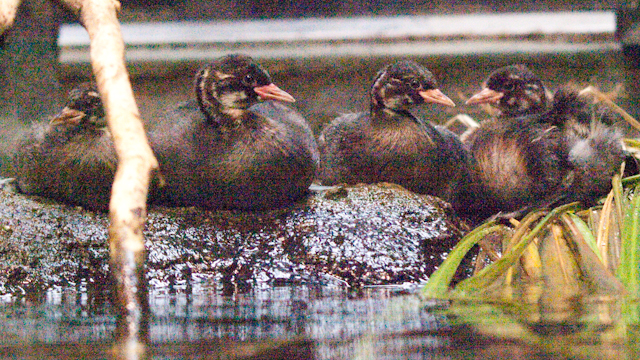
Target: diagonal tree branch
135, 165
8, 9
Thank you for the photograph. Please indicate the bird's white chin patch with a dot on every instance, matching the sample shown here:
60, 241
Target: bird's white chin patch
232, 101
397, 102
234, 113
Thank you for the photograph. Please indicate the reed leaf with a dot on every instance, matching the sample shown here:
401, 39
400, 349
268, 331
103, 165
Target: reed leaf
491, 273
438, 283
628, 272
594, 272
631, 180
579, 228
618, 192
531, 262
605, 99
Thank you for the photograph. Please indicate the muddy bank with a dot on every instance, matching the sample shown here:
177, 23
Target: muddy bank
353, 236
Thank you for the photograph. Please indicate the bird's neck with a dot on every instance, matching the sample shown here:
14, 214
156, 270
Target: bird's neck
234, 115
219, 115
233, 120
523, 108
385, 115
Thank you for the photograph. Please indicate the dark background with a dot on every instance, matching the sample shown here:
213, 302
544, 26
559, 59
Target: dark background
152, 10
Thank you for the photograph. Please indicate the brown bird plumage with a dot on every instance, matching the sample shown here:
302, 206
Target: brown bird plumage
224, 151
71, 159
533, 154
389, 144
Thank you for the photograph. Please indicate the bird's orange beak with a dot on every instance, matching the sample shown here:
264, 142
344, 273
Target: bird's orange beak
272, 92
436, 96
485, 96
68, 116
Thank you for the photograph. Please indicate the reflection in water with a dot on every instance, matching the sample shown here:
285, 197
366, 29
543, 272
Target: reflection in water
193, 321
312, 320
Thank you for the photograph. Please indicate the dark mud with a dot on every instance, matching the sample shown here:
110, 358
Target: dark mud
352, 236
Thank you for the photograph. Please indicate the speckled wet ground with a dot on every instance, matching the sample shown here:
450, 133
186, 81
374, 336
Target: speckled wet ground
351, 237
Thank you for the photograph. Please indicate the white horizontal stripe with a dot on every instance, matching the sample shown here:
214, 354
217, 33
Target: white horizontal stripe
398, 27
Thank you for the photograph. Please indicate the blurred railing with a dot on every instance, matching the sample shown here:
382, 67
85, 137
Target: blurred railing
490, 33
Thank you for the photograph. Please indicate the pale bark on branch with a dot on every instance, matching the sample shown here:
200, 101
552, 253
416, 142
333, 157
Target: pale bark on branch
8, 9
135, 163
135, 158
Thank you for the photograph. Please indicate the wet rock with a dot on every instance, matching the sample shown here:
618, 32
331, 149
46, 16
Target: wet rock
362, 235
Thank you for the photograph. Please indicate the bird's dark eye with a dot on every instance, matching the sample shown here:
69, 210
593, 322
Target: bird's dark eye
248, 80
509, 86
415, 84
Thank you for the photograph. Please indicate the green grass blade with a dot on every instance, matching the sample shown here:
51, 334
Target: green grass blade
439, 281
491, 273
632, 143
587, 235
628, 271
631, 180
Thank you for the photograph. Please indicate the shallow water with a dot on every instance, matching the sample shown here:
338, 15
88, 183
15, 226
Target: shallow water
195, 319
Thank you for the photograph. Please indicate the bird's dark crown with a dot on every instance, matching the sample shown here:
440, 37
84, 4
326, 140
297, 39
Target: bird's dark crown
508, 77
85, 97
524, 92
226, 85
83, 108
397, 86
